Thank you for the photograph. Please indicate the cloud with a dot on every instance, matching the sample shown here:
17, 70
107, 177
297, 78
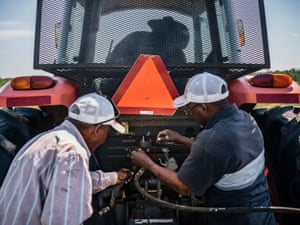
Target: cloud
297, 35
14, 24
15, 34
15, 30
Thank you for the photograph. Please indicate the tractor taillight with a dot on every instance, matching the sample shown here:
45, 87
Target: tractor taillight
271, 80
32, 82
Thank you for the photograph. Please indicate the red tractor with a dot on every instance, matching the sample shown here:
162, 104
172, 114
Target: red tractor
140, 53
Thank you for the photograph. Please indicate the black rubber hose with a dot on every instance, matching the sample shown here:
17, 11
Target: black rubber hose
115, 192
185, 208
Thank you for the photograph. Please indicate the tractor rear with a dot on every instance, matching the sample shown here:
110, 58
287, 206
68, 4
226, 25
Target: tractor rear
141, 54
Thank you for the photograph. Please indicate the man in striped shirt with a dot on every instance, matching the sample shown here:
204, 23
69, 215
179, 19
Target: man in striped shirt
49, 181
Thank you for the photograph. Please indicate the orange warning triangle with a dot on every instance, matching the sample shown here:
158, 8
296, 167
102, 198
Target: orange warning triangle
146, 89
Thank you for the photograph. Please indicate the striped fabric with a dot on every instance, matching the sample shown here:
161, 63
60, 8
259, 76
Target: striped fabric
49, 181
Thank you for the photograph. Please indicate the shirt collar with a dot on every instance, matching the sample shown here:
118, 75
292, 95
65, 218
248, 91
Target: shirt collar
67, 125
226, 112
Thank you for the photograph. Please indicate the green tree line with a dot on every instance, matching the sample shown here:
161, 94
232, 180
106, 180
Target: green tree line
294, 73
3, 81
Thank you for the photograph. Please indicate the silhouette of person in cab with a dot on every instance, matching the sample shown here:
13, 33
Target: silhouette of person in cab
167, 39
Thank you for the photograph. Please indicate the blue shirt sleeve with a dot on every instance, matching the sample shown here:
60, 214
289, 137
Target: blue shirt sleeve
200, 170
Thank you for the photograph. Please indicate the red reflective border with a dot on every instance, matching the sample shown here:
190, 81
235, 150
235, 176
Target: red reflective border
275, 98
28, 101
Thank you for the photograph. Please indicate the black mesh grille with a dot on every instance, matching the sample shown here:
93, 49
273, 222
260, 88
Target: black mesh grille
110, 34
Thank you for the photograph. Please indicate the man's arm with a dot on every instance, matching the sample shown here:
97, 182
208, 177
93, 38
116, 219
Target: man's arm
167, 176
170, 135
102, 180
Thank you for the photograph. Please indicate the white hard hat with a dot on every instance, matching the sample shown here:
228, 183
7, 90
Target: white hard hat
203, 88
95, 109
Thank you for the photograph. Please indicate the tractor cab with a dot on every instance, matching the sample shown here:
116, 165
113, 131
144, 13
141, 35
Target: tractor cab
104, 38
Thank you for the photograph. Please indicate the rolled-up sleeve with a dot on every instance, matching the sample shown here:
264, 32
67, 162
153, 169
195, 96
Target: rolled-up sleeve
101, 180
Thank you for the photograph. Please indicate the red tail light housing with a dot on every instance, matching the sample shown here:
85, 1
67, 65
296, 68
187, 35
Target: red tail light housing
32, 83
271, 80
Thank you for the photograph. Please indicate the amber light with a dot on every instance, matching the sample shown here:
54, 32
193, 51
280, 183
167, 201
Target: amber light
271, 80
32, 82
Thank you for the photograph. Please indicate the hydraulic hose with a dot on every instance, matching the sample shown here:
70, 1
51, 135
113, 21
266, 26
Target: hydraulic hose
115, 191
277, 209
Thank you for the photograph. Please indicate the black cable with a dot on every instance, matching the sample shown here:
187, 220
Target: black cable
278, 209
116, 189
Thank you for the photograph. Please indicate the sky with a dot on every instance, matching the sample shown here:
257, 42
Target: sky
17, 24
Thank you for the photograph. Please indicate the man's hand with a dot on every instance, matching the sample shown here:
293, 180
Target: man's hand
141, 159
166, 175
170, 135
124, 176
167, 135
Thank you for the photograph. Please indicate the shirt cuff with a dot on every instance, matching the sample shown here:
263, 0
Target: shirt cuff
113, 177
101, 180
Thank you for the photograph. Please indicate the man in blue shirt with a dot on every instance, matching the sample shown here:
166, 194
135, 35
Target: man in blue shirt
226, 161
